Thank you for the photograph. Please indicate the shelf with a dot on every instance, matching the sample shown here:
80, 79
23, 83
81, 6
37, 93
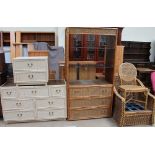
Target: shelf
83, 62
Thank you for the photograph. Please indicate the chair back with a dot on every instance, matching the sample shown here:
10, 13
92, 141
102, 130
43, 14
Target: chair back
127, 74
153, 81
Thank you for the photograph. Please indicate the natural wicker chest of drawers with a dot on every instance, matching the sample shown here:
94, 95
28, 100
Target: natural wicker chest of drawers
32, 103
90, 99
30, 70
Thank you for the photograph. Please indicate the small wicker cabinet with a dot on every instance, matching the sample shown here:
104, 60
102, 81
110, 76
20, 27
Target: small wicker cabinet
90, 69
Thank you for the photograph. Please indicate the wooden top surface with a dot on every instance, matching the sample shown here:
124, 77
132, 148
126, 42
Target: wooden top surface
144, 70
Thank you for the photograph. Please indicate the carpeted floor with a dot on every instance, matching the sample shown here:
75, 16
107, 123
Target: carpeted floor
105, 122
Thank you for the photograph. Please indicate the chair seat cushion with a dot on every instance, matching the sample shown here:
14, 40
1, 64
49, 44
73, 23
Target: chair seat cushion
133, 88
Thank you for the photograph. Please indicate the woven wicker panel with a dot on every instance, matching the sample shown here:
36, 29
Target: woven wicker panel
79, 92
94, 91
90, 113
138, 118
105, 91
77, 103
127, 72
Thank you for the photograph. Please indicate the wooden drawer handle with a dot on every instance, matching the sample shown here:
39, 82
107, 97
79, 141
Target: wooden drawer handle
9, 93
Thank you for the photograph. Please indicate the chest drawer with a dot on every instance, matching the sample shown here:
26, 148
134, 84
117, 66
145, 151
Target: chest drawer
18, 104
51, 114
31, 77
58, 91
9, 92
18, 116
79, 92
28, 91
30, 64
57, 103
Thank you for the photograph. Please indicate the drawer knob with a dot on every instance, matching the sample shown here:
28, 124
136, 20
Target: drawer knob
29, 64
50, 102
50, 113
19, 115
18, 104
8, 93
58, 91
30, 76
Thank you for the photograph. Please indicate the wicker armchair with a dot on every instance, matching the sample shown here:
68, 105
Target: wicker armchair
128, 118
130, 87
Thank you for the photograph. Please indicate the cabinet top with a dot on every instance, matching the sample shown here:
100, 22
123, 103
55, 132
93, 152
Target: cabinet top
31, 58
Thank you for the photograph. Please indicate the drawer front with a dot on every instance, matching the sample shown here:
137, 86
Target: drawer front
30, 65
79, 92
18, 116
31, 77
58, 91
10, 92
18, 104
51, 114
33, 92
90, 113
51, 103
79, 103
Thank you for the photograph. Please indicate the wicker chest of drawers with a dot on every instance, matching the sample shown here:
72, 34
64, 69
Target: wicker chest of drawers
30, 70
32, 103
90, 100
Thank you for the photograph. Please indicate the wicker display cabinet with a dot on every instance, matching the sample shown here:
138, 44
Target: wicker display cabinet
89, 52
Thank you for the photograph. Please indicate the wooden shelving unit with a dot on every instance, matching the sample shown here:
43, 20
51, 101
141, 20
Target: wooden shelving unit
90, 97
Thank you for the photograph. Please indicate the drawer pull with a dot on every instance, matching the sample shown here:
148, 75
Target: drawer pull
50, 113
19, 115
50, 102
30, 65
18, 104
58, 91
34, 91
30, 76
8, 93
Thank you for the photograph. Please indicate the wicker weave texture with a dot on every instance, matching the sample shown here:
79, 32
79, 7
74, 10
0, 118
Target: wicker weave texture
90, 113
127, 72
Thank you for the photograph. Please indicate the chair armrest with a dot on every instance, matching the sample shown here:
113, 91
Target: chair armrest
151, 102
140, 83
118, 95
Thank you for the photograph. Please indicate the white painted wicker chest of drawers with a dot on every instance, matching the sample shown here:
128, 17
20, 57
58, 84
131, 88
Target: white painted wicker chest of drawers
32, 103
30, 70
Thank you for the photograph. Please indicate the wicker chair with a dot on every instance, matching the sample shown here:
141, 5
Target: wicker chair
137, 117
128, 118
130, 87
